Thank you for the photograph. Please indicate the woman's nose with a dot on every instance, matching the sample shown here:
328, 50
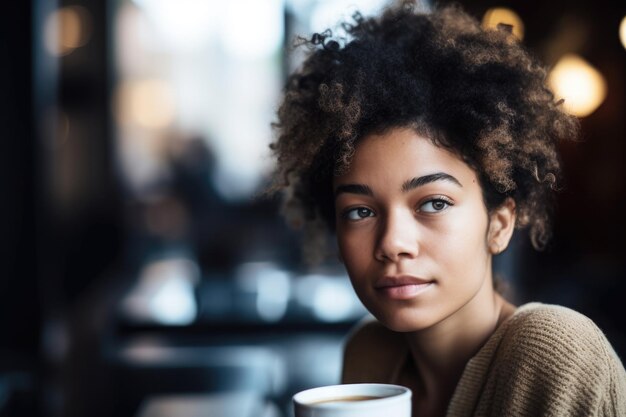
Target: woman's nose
398, 237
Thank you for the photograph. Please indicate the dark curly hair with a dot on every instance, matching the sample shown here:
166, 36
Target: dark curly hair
476, 92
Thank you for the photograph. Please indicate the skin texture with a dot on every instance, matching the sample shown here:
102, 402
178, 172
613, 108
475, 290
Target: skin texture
439, 232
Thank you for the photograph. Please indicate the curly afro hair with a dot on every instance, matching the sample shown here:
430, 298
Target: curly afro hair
476, 92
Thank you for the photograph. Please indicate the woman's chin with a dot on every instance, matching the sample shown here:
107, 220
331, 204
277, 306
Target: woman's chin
400, 323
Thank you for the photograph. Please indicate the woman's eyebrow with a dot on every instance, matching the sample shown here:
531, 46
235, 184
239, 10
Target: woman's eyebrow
426, 179
409, 185
354, 189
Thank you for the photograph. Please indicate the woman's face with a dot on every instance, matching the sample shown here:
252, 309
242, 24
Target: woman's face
412, 230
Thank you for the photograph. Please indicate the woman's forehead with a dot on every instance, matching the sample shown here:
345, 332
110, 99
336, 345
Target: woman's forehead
401, 153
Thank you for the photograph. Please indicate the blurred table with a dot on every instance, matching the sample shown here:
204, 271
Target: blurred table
231, 404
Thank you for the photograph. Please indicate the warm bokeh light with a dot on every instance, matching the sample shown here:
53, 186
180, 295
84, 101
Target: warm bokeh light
503, 15
622, 31
67, 29
579, 83
146, 103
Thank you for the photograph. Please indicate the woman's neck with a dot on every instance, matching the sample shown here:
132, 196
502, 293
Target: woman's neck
441, 352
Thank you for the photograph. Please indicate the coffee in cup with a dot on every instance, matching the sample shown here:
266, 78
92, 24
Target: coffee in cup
354, 400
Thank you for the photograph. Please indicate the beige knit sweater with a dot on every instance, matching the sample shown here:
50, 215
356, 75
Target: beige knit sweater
546, 360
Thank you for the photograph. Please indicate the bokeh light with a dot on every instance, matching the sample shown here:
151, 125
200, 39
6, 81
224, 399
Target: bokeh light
498, 15
164, 293
146, 103
66, 29
581, 85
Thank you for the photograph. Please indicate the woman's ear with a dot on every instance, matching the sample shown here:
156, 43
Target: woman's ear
501, 226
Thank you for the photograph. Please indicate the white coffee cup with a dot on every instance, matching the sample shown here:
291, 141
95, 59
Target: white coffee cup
354, 400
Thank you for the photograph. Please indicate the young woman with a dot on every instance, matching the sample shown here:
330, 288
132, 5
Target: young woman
423, 141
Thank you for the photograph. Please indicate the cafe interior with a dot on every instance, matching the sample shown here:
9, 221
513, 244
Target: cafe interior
146, 272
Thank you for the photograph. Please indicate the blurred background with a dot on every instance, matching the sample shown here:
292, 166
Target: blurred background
143, 275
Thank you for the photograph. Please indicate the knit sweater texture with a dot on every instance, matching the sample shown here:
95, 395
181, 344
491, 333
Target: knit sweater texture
544, 361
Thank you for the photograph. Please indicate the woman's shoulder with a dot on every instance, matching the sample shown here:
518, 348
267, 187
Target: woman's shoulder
372, 352
538, 325
553, 335
552, 351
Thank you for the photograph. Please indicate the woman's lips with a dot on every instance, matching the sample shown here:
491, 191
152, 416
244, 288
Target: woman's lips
402, 287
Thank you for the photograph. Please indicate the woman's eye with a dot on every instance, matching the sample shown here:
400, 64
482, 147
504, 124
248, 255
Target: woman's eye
434, 206
358, 213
